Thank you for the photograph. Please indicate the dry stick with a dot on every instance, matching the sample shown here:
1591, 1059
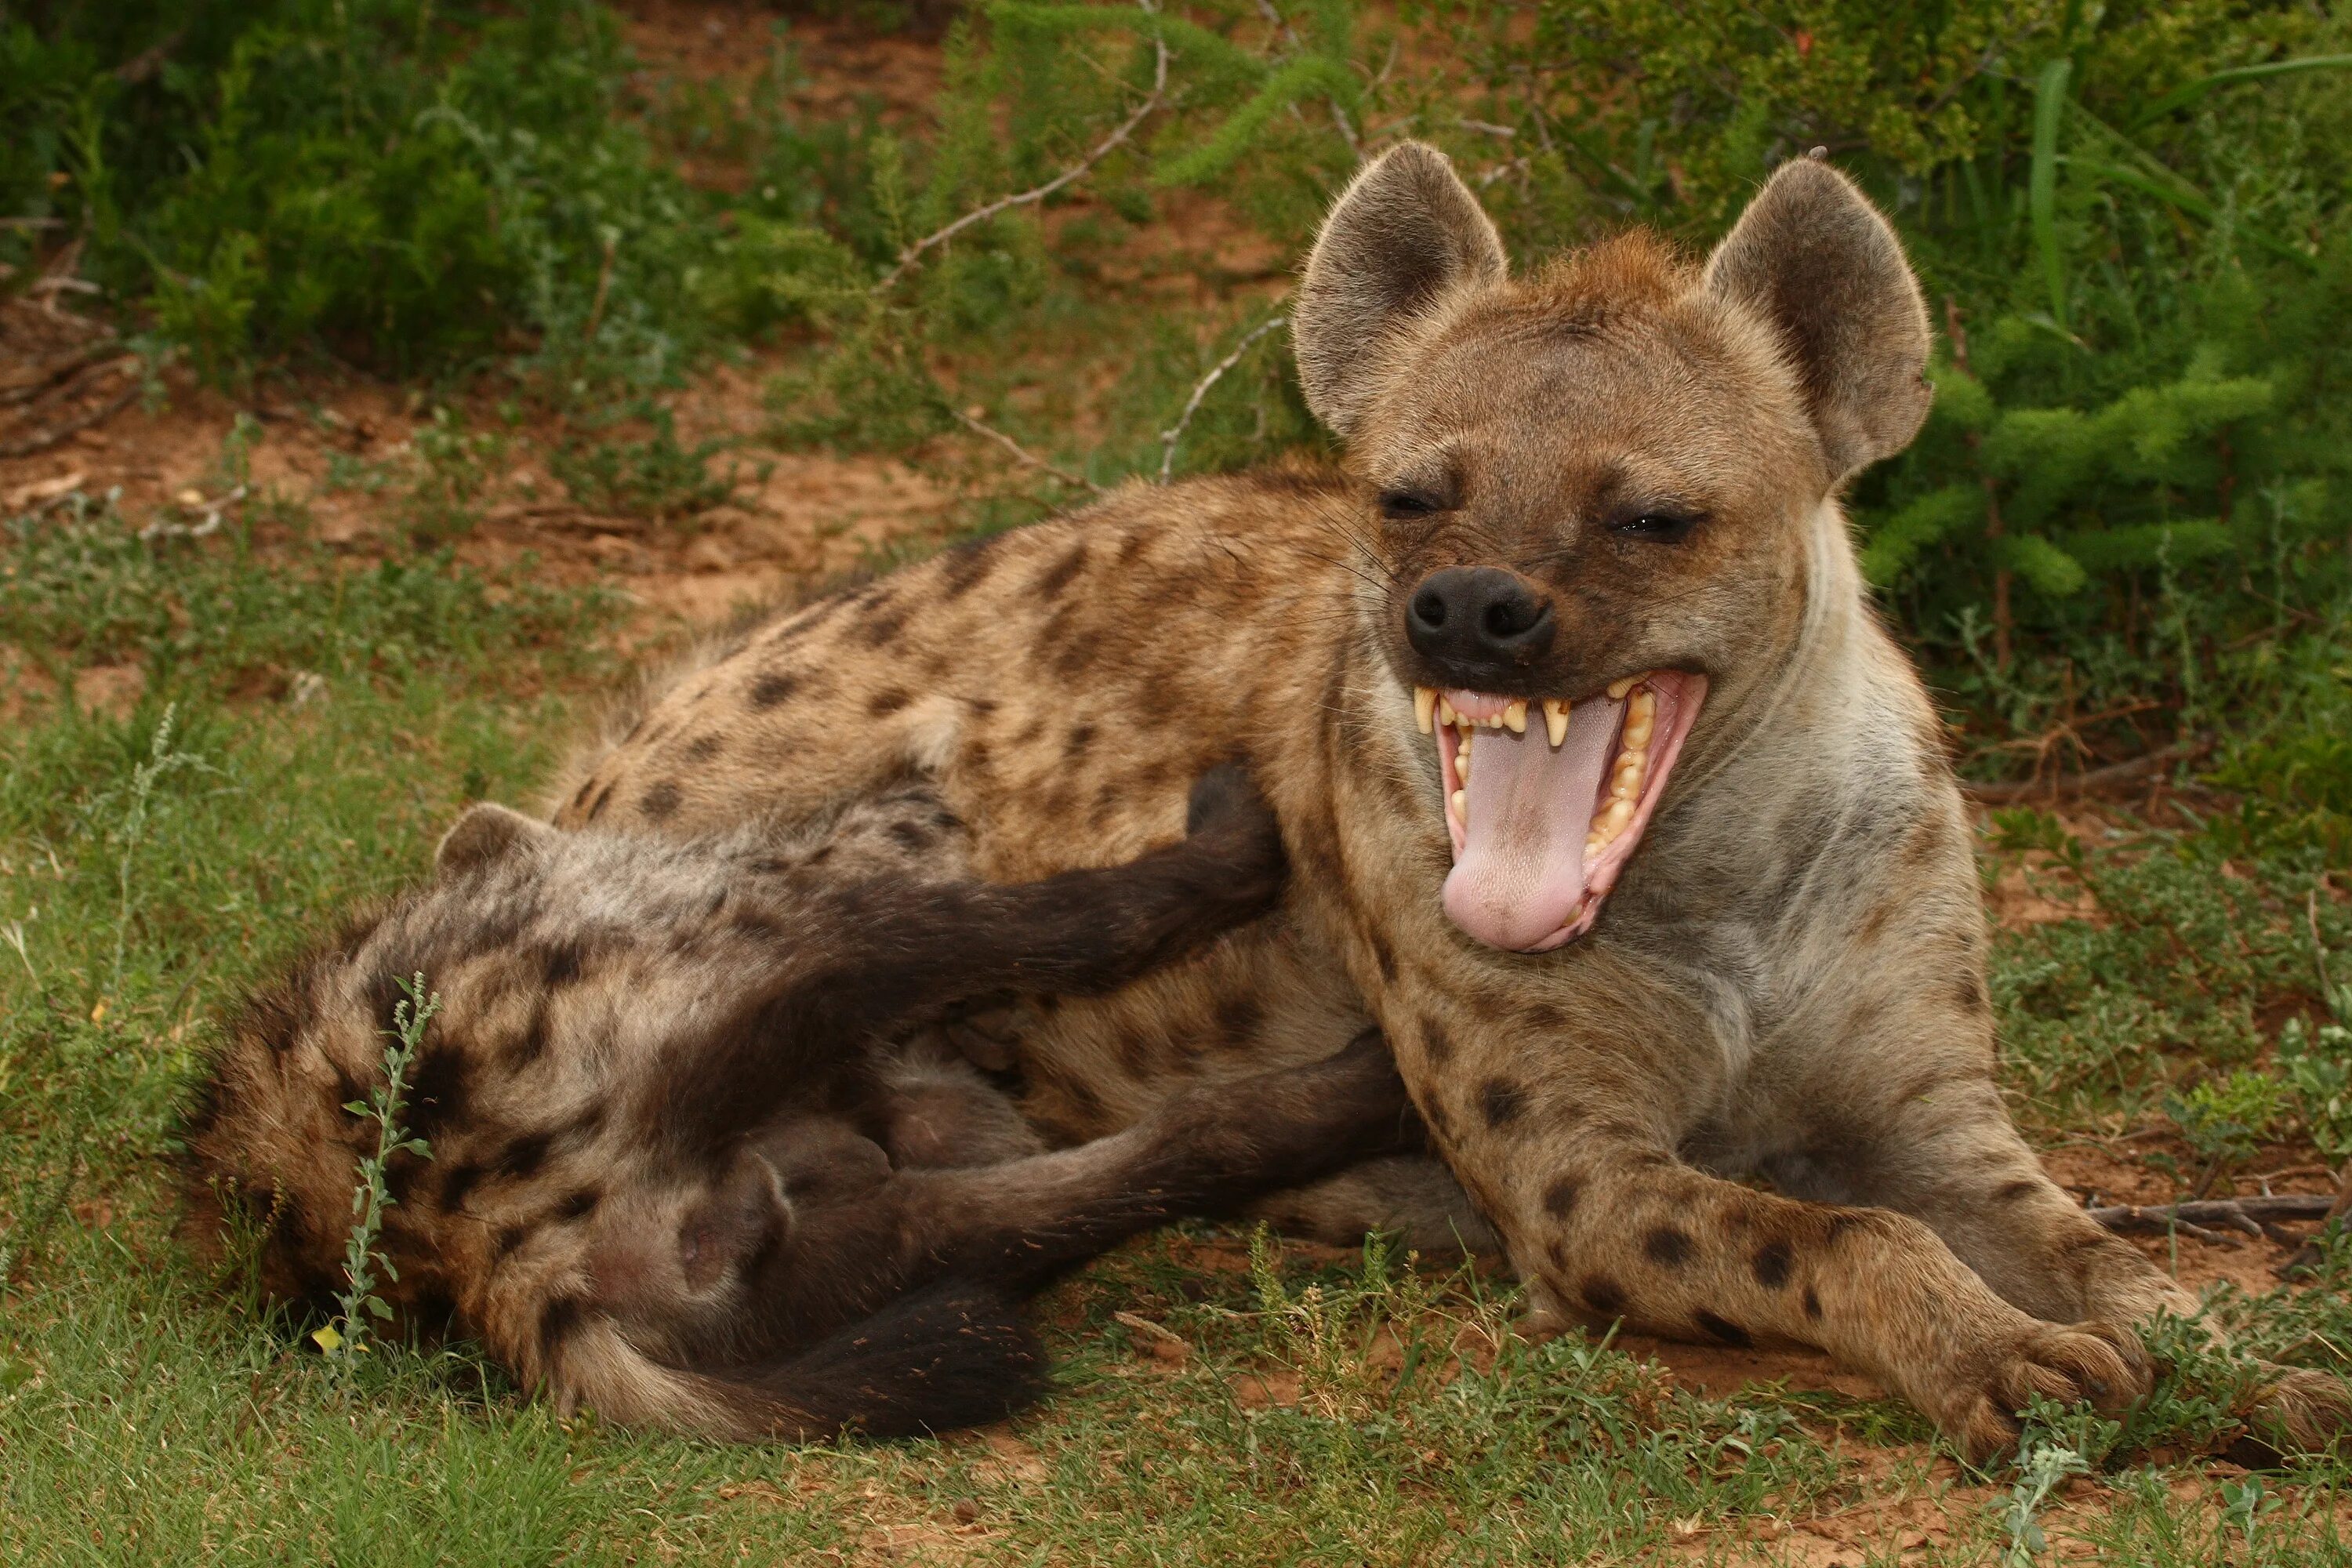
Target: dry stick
1340, 121
43, 440
909, 257
2192, 1218
65, 370
1023, 453
2097, 779
603, 284
1169, 437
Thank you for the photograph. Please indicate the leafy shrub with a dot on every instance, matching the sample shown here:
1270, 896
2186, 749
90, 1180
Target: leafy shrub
409, 182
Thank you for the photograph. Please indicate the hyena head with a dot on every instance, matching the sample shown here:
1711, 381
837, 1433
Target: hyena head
1604, 495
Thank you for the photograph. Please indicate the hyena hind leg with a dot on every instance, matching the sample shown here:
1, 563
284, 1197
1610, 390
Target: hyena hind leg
1412, 1198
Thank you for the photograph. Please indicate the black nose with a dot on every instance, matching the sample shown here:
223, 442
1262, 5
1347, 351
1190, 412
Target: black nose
1479, 618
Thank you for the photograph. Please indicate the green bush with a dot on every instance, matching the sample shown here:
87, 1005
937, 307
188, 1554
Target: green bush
410, 183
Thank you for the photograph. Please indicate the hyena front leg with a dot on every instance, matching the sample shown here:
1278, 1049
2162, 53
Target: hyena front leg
1946, 1152
1606, 1223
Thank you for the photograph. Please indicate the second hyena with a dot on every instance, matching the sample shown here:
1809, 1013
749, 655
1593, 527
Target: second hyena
698, 1155
1608, 796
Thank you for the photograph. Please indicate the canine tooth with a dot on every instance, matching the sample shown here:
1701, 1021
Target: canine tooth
1617, 689
1515, 717
1424, 709
1555, 721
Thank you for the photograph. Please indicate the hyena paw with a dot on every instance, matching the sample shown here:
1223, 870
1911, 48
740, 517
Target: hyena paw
2301, 1413
2092, 1361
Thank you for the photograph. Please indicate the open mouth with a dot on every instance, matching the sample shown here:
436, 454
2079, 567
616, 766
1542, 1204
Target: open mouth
1545, 801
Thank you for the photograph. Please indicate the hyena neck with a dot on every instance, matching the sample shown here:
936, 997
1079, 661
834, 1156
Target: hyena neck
1833, 742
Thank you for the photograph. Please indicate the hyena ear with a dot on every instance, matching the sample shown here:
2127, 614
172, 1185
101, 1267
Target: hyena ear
1813, 258
1404, 235
486, 833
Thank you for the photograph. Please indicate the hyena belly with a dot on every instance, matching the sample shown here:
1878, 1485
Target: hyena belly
699, 1157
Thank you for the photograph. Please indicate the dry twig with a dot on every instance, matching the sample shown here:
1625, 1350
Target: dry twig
1024, 454
63, 371
2196, 1217
1169, 437
42, 440
2069, 785
1102, 149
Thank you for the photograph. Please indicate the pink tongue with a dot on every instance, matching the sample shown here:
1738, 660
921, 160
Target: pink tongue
1521, 875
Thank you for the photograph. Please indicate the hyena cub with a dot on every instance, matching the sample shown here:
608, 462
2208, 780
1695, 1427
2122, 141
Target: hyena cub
699, 1157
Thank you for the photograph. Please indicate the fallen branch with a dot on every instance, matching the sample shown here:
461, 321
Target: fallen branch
2069, 785
909, 257
2307, 1256
1169, 437
2196, 1217
1024, 454
65, 370
41, 441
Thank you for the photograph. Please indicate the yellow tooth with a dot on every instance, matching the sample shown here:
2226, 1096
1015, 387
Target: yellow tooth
1617, 689
1555, 721
1515, 717
1424, 709
1462, 807
1445, 714
1641, 716
1462, 765
1613, 820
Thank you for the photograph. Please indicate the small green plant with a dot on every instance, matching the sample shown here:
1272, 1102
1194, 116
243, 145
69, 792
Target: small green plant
658, 477
2043, 1464
347, 1335
451, 467
2223, 1119
2317, 1067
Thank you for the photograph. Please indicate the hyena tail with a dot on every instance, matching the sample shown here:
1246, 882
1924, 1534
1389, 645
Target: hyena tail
950, 1355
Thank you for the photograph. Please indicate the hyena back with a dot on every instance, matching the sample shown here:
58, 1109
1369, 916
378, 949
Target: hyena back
1606, 794
700, 1157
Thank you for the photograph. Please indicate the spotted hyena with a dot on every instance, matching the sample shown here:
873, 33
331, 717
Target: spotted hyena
1608, 796
699, 1156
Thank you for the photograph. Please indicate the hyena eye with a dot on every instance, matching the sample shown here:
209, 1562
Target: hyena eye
1401, 506
1658, 526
